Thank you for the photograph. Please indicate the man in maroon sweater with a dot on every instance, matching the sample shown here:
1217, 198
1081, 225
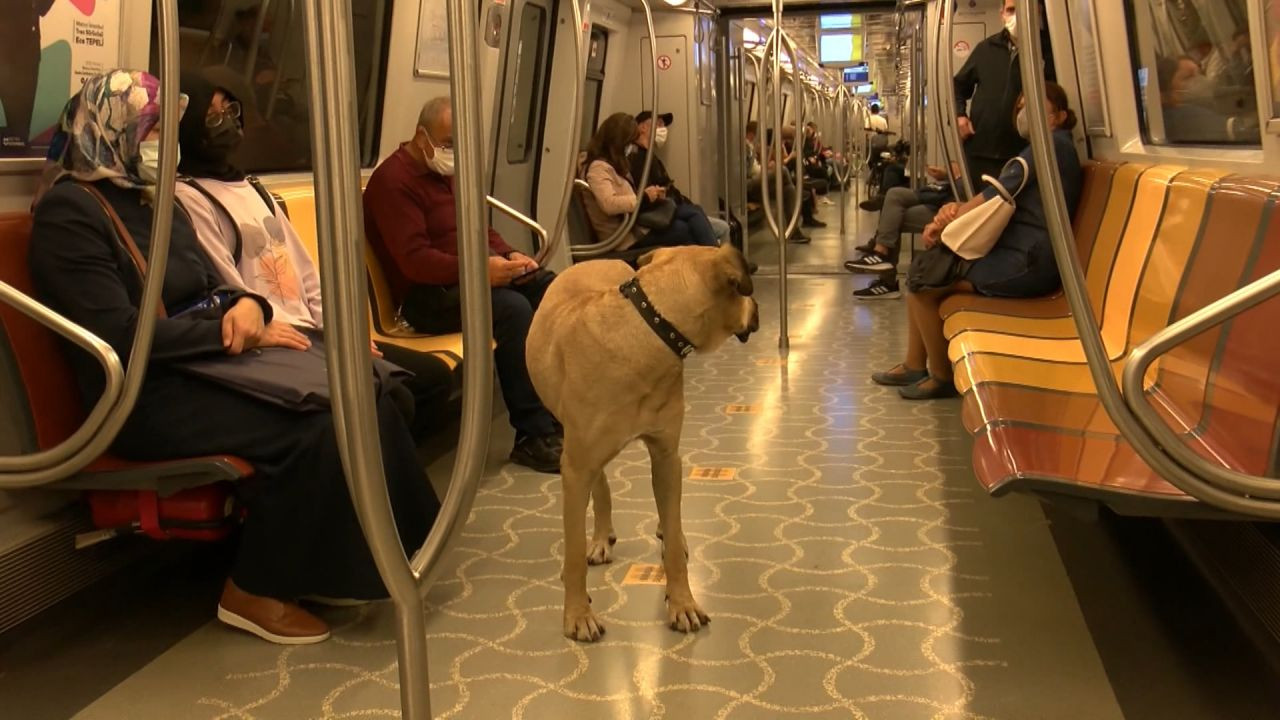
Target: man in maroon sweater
411, 223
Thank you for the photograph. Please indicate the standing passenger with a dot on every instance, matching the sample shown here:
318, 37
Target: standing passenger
411, 222
301, 536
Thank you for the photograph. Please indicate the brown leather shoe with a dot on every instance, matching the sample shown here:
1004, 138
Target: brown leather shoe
270, 619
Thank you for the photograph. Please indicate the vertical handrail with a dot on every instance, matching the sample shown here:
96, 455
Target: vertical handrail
582, 46
335, 159
643, 180
251, 60
477, 329
724, 70
285, 49
940, 99
1073, 285
743, 119
88, 442
950, 128
777, 39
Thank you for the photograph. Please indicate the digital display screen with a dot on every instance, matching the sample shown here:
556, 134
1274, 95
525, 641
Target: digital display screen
857, 74
835, 48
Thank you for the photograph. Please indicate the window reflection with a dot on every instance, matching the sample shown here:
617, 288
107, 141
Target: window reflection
1199, 55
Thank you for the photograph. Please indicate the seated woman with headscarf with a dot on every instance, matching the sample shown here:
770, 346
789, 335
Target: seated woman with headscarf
252, 245
301, 537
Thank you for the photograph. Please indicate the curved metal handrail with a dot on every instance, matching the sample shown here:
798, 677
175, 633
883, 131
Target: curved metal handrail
939, 98
84, 446
950, 129
521, 218
616, 239
575, 130
285, 53
251, 59
1073, 285
1142, 357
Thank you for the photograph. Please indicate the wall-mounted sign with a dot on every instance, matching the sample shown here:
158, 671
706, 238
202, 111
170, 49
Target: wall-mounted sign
50, 47
664, 62
432, 57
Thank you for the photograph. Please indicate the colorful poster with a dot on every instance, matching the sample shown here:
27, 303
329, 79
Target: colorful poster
48, 48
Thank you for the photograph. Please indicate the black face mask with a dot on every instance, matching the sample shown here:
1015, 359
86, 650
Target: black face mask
221, 141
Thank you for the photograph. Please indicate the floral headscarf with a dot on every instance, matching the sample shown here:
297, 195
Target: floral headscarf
103, 125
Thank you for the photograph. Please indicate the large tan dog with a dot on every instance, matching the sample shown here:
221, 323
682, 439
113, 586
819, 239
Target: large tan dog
611, 370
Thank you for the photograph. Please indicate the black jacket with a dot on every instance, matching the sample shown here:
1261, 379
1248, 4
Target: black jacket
989, 84
657, 176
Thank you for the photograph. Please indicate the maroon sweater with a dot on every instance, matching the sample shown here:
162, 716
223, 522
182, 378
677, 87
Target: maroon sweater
411, 222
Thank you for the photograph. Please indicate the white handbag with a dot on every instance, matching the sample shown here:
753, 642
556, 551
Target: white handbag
973, 234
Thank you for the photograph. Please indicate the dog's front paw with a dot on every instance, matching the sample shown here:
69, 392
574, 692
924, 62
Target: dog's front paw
582, 625
686, 616
601, 552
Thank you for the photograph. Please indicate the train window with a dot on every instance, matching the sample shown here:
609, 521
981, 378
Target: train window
596, 55
257, 49
527, 87
1195, 81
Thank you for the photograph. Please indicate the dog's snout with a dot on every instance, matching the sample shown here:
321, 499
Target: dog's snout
753, 324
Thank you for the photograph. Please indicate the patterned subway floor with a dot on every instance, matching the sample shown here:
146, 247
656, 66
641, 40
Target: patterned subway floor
851, 566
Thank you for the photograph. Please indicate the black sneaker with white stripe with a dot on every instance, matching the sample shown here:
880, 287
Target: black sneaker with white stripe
871, 262
878, 290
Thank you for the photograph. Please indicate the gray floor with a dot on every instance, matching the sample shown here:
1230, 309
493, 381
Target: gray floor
850, 563
828, 248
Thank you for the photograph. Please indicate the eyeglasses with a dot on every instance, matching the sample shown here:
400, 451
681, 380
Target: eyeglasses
230, 111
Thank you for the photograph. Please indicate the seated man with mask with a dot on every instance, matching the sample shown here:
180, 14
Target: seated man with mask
411, 224
686, 210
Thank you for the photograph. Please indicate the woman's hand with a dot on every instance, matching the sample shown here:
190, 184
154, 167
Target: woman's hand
283, 335
932, 233
947, 213
242, 326
373, 347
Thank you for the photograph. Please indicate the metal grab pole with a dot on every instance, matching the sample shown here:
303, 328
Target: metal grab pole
477, 314
575, 130
1073, 286
251, 61
939, 97
87, 443
643, 180
337, 187
950, 128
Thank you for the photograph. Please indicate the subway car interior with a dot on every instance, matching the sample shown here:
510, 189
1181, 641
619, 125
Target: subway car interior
998, 437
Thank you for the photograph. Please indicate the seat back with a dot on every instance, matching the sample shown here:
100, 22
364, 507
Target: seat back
1093, 205
580, 230
53, 400
1106, 241
383, 304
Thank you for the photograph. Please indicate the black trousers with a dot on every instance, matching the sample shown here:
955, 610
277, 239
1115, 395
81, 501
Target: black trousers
432, 386
979, 166
437, 309
301, 535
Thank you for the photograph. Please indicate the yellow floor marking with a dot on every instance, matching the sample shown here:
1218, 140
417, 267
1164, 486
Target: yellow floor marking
742, 409
771, 362
713, 473
640, 574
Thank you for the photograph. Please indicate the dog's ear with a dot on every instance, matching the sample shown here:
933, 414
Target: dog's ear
646, 258
739, 275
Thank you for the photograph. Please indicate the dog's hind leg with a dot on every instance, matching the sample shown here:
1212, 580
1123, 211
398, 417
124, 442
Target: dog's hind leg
602, 540
683, 612
577, 473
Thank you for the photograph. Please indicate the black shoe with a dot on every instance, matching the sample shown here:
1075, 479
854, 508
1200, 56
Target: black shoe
906, 378
941, 389
878, 290
872, 204
871, 262
813, 222
541, 453
868, 246
798, 238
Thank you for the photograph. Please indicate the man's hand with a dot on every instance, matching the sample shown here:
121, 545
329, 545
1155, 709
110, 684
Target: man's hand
502, 271
284, 335
528, 264
373, 348
936, 173
241, 326
655, 193
965, 127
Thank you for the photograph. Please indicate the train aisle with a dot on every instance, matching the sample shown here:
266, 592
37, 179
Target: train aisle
851, 565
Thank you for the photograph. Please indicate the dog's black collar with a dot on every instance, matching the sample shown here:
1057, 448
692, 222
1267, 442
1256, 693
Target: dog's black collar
674, 339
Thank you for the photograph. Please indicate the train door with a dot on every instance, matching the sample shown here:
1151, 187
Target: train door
593, 88
526, 59
673, 97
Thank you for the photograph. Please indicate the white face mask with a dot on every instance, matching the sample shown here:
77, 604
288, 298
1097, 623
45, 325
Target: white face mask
1011, 24
442, 158
149, 161
660, 137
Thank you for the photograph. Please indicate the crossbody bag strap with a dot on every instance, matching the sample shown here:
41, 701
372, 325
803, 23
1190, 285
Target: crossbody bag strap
238, 250
999, 188
123, 237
